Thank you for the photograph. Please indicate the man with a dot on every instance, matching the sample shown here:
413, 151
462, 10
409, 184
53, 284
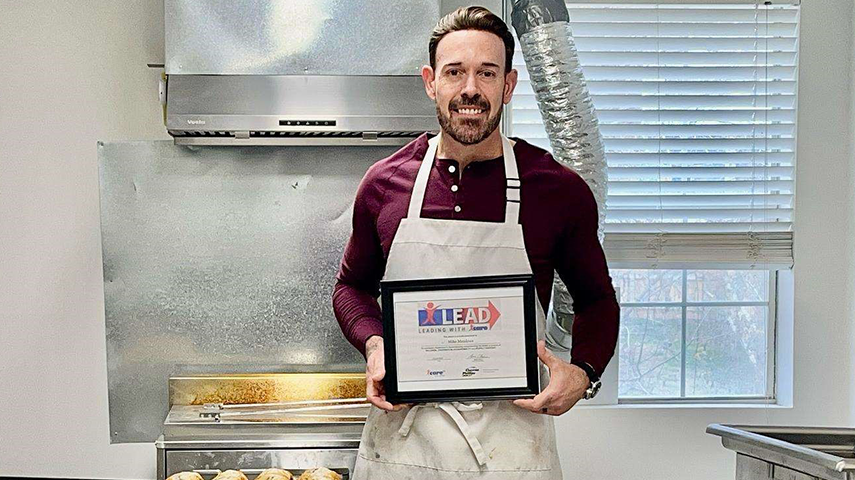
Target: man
469, 202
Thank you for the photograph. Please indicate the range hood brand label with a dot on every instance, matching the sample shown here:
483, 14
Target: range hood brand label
195, 122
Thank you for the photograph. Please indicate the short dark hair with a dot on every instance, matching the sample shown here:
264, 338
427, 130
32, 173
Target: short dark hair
472, 18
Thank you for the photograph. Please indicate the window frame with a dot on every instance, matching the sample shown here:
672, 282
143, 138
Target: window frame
770, 396
507, 5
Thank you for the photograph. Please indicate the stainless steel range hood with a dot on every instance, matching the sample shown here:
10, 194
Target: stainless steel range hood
297, 110
278, 72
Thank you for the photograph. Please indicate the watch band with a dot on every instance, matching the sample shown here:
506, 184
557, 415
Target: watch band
593, 376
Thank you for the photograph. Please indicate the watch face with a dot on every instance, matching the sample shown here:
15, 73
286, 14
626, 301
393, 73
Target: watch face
593, 390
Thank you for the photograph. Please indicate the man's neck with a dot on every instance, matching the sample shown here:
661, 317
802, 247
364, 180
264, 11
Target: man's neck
487, 149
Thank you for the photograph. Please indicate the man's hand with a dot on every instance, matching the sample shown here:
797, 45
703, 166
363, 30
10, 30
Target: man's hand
375, 370
567, 385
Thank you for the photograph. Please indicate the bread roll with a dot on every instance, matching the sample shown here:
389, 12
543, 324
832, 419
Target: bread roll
185, 476
275, 474
231, 475
319, 474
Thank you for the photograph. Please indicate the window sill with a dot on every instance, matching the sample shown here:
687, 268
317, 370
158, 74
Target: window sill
684, 406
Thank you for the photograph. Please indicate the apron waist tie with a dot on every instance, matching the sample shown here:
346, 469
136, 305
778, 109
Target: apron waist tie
453, 410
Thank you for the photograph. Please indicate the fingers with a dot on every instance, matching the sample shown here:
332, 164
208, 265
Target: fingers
524, 403
376, 368
535, 404
379, 372
374, 389
560, 394
376, 375
370, 388
374, 394
381, 403
375, 371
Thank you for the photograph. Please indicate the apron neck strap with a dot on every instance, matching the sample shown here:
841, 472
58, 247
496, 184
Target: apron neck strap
512, 181
417, 197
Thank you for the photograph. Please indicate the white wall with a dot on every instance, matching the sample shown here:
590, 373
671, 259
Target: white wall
72, 73
851, 202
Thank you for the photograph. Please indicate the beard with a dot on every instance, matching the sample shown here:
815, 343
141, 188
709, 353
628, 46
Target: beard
468, 131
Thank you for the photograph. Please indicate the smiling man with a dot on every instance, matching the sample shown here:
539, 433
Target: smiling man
470, 202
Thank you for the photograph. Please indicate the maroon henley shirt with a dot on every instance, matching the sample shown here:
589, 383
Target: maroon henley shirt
558, 214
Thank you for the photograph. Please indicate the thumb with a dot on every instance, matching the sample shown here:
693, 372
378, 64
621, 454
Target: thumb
545, 355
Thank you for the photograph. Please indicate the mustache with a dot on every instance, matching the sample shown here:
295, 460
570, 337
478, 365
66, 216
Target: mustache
473, 102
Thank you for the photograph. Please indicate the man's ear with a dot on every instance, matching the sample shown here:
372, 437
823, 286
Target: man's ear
510, 84
428, 78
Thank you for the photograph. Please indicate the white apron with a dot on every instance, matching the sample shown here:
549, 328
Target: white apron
489, 440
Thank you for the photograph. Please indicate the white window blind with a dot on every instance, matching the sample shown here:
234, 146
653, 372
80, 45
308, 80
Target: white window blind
697, 109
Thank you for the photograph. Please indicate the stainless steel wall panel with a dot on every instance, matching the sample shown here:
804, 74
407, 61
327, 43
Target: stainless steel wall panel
219, 260
310, 37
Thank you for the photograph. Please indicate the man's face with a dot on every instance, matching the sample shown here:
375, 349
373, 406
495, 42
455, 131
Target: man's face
469, 84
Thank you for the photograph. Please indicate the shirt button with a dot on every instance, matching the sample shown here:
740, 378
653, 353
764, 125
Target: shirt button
457, 208
454, 188
452, 168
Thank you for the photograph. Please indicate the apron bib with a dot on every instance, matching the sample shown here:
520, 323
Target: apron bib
490, 440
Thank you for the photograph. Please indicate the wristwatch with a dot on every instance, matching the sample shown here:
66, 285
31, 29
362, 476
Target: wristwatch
595, 385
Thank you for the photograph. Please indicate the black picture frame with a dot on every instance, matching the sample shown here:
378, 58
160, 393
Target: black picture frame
388, 289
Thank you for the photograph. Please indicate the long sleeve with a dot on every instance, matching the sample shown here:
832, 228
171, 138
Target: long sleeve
581, 264
358, 280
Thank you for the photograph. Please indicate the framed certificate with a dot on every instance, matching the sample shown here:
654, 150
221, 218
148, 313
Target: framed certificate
459, 339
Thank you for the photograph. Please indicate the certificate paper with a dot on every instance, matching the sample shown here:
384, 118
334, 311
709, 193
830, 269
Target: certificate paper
460, 339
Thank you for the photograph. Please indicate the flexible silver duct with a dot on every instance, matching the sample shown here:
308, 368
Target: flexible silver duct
559, 86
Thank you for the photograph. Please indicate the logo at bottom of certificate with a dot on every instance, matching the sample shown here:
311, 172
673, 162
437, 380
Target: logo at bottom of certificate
470, 372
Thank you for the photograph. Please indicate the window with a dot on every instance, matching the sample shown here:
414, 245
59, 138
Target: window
697, 109
694, 334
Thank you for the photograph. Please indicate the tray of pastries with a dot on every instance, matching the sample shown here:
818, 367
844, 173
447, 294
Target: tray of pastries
319, 473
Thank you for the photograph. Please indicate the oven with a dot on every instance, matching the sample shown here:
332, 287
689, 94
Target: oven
292, 421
